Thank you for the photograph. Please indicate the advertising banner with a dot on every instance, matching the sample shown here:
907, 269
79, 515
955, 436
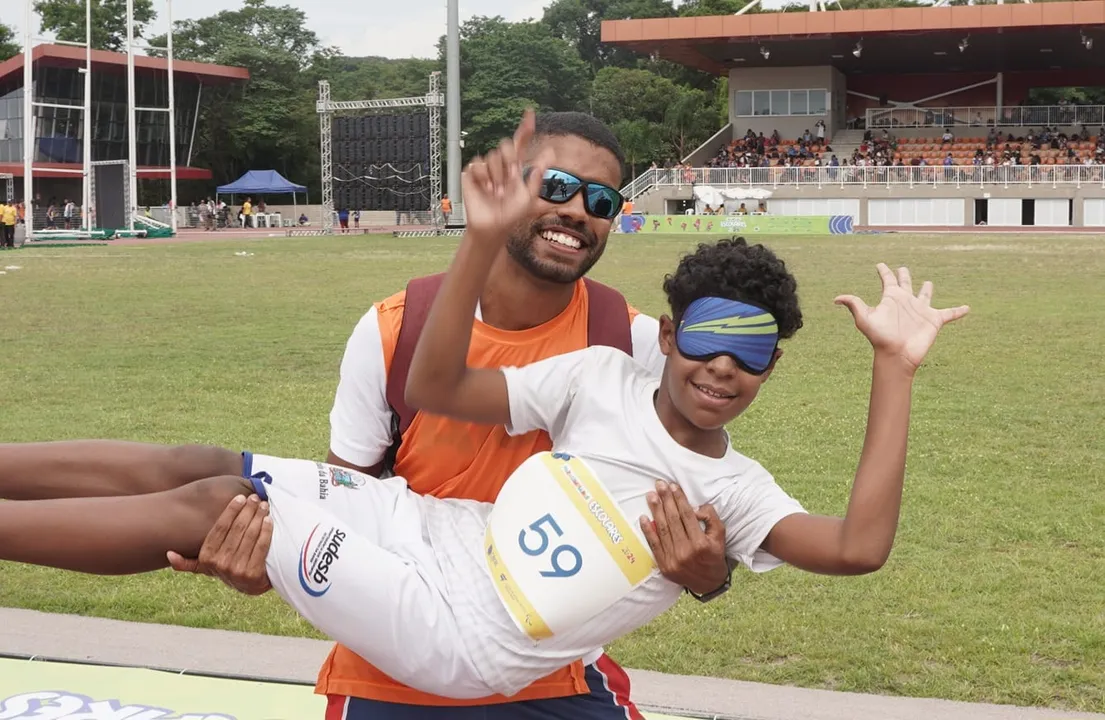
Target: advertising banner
737, 224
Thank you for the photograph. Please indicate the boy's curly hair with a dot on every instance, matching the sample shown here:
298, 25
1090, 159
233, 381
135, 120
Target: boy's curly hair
735, 270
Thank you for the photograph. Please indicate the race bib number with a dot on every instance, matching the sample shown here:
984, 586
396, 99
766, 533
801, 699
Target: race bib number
559, 549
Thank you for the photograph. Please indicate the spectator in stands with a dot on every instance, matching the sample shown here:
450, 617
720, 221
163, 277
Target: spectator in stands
820, 126
948, 137
742, 210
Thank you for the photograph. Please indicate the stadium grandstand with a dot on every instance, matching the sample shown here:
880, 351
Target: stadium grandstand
58, 86
895, 117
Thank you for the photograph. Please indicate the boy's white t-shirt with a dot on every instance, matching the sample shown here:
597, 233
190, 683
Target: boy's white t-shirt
596, 404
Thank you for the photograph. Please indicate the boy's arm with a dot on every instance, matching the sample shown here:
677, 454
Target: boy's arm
860, 542
901, 329
440, 380
95, 468
497, 199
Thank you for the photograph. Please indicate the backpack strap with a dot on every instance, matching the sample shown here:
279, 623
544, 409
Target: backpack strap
607, 317
607, 324
416, 308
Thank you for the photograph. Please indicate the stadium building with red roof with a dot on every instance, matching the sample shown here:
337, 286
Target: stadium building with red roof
59, 134
926, 111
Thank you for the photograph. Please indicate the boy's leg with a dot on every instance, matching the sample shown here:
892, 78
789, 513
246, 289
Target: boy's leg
348, 553
115, 535
95, 468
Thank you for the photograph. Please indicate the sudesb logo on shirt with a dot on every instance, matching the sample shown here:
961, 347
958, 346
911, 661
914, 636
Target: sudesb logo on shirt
318, 556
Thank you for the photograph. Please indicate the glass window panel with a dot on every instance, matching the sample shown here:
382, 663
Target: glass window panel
799, 102
761, 102
744, 103
818, 102
780, 102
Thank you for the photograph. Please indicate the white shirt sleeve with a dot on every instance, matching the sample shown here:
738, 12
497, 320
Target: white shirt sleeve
749, 509
360, 421
541, 393
645, 332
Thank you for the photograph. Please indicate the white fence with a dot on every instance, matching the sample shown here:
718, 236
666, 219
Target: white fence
935, 175
1092, 117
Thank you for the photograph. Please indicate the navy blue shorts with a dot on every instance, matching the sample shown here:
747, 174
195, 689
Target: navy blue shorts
608, 700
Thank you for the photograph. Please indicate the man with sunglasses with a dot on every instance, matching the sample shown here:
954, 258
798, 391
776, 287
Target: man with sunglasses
535, 305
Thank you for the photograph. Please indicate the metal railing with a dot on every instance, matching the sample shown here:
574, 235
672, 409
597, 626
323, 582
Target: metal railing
1091, 117
957, 175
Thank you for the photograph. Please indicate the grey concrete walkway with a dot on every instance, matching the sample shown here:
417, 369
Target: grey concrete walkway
25, 633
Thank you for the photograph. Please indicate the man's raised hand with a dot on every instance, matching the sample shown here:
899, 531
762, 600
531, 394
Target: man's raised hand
902, 324
496, 196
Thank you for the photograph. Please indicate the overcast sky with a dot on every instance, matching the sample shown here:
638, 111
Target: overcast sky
390, 28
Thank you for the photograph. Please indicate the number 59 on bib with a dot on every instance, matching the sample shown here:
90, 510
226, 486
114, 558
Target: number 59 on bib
558, 548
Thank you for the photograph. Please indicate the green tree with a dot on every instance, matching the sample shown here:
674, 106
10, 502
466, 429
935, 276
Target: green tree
858, 5
657, 118
1073, 95
579, 23
641, 142
66, 19
630, 94
505, 67
698, 8
271, 123
688, 120
369, 78
8, 45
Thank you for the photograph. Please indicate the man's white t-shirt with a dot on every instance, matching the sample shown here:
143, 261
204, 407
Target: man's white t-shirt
360, 420
596, 404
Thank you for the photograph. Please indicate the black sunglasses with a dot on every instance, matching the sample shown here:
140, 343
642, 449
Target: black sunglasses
559, 186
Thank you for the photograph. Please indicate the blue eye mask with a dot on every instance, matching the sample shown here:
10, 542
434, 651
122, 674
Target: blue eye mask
715, 326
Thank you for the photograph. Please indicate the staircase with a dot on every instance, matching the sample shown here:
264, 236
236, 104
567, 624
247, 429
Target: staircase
844, 143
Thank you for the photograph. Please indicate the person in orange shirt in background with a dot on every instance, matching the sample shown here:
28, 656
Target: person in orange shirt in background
536, 305
446, 207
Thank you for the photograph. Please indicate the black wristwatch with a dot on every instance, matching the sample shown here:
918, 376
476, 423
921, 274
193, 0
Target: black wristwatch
707, 597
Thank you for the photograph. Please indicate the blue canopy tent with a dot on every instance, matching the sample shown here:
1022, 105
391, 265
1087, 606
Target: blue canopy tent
262, 182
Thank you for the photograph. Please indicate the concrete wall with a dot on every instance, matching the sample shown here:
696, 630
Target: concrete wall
706, 152
794, 78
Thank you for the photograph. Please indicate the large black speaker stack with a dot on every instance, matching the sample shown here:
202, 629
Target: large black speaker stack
382, 162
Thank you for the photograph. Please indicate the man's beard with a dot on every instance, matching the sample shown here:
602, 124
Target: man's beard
522, 246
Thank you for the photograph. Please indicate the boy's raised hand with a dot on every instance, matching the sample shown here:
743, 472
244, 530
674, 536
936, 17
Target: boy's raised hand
902, 323
496, 196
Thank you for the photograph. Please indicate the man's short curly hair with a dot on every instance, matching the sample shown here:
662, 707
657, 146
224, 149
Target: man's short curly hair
580, 125
735, 270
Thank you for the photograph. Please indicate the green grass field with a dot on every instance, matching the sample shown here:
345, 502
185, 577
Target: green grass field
994, 590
